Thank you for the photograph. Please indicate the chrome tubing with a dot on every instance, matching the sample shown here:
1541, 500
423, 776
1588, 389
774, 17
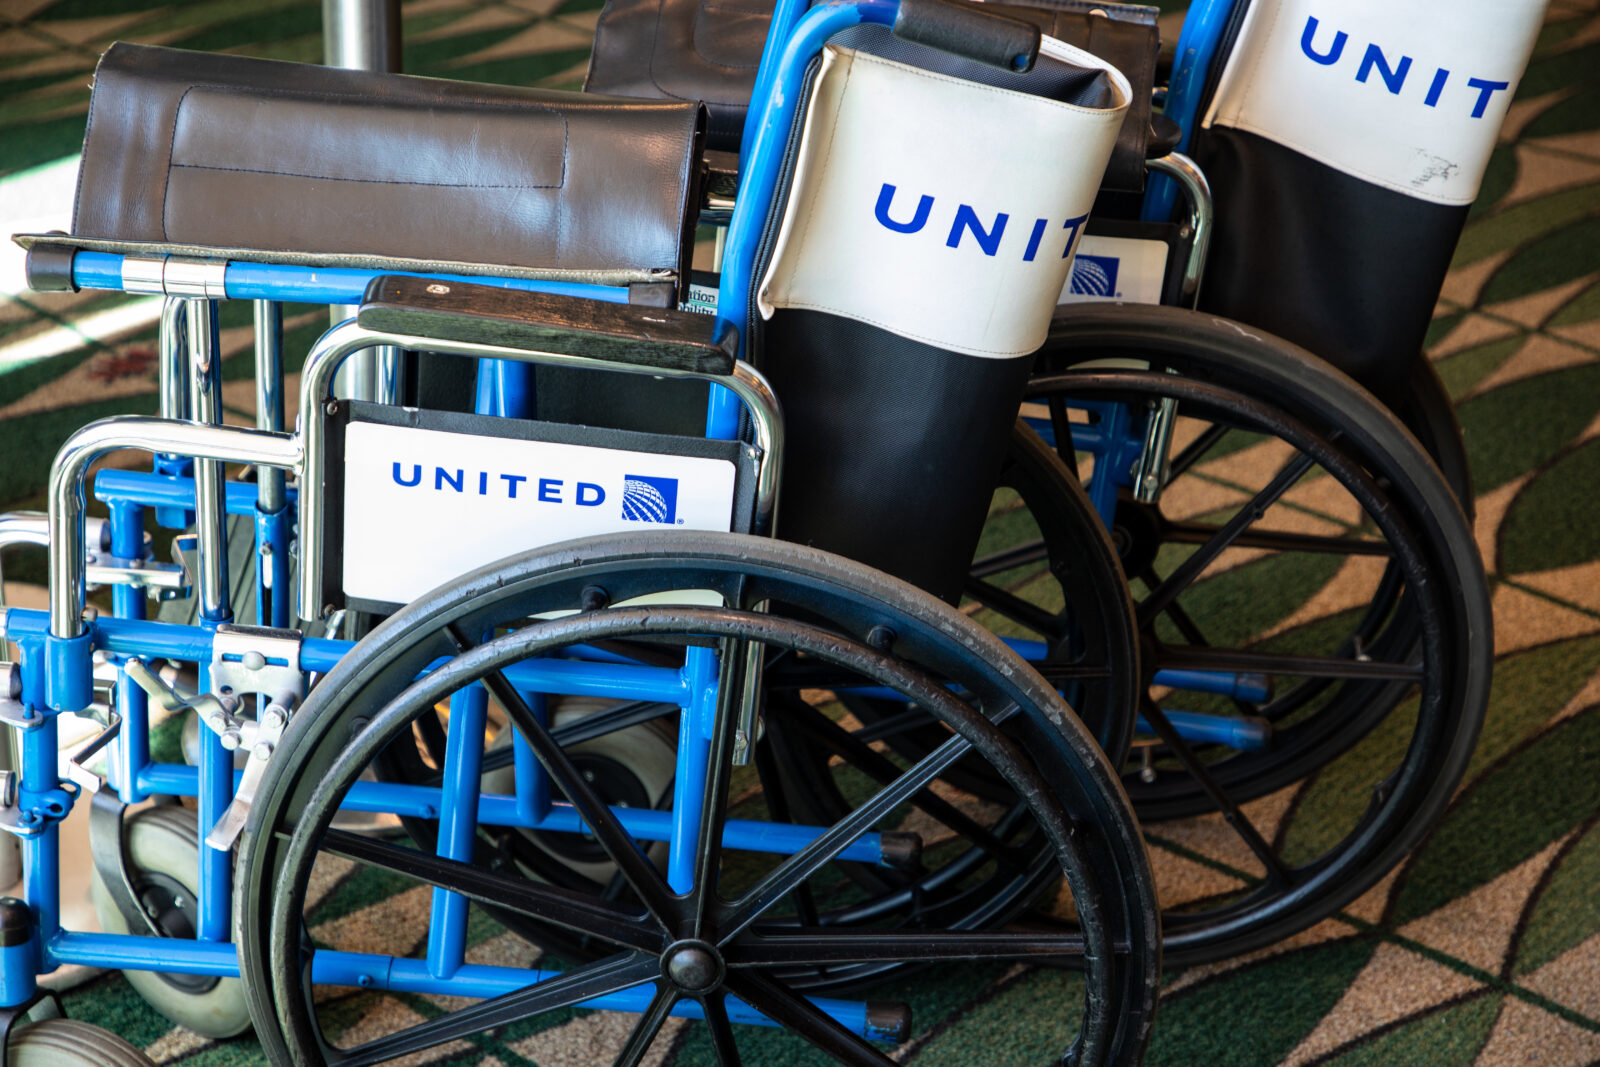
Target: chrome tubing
363, 35
269, 395
331, 350
1198, 192
210, 506
173, 346
223, 444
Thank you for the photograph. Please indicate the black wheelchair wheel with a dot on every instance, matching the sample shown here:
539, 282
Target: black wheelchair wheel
1078, 612
1385, 695
754, 922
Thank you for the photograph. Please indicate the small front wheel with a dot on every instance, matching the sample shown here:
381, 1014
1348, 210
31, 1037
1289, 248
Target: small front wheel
70, 1043
163, 849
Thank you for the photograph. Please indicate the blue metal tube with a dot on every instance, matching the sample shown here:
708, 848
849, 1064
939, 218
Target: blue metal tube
458, 827
128, 637
41, 852
1203, 25
151, 489
694, 761
500, 809
140, 952
400, 975
131, 750
134, 952
532, 781
771, 117
1255, 688
216, 783
323, 285
361, 970
1248, 734
273, 592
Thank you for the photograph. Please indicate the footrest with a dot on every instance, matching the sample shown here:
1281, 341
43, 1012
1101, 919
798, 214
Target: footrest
662, 338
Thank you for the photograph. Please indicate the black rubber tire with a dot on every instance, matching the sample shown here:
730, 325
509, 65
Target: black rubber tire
1216, 352
71, 1043
165, 840
355, 712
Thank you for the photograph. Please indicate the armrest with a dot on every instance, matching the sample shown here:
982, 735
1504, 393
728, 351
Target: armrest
663, 338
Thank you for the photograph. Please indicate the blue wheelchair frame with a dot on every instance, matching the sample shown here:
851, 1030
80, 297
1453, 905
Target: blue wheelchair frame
57, 648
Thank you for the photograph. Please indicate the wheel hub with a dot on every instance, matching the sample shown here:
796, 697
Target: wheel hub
693, 966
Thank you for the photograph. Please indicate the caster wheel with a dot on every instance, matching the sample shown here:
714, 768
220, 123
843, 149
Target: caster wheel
71, 1043
163, 847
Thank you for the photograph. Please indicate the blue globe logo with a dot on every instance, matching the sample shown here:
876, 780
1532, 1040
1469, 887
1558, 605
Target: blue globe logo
646, 499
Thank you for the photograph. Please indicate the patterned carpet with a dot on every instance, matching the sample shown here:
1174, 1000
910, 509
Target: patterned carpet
1484, 948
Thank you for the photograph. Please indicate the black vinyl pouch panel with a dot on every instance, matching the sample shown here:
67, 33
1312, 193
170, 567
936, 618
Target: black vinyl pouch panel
1348, 269
892, 446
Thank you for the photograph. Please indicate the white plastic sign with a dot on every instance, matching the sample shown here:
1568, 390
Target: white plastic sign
424, 506
1405, 94
936, 208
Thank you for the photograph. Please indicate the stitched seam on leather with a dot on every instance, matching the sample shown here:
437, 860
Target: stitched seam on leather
321, 97
172, 147
364, 181
655, 46
694, 36
77, 191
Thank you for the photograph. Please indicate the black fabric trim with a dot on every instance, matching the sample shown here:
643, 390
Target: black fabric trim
1347, 269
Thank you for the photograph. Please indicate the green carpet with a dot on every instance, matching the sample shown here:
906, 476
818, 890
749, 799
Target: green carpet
1483, 948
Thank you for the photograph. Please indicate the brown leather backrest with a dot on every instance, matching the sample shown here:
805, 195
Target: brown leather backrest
708, 50
193, 148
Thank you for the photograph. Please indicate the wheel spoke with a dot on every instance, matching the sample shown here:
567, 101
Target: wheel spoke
798, 1015
1188, 657
1175, 611
1195, 533
644, 1032
585, 983
1061, 426
619, 846
736, 658
880, 768
1235, 817
722, 1041
777, 801
547, 903
787, 876
1006, 559
828, 945
609, 721
1013, 607
1190, 569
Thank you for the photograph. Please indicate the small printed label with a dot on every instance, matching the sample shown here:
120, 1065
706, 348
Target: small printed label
1117, 268
423, 506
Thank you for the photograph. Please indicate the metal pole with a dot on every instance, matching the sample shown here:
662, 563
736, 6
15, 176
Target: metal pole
205, 405
269, 394
363, 35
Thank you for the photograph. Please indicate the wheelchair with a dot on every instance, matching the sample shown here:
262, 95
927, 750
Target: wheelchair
473, 718
1314, 627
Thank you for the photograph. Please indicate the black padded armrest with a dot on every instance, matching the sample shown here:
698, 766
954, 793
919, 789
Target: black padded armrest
663, 338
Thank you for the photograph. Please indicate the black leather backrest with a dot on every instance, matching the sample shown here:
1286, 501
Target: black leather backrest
204, 149
708, 50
